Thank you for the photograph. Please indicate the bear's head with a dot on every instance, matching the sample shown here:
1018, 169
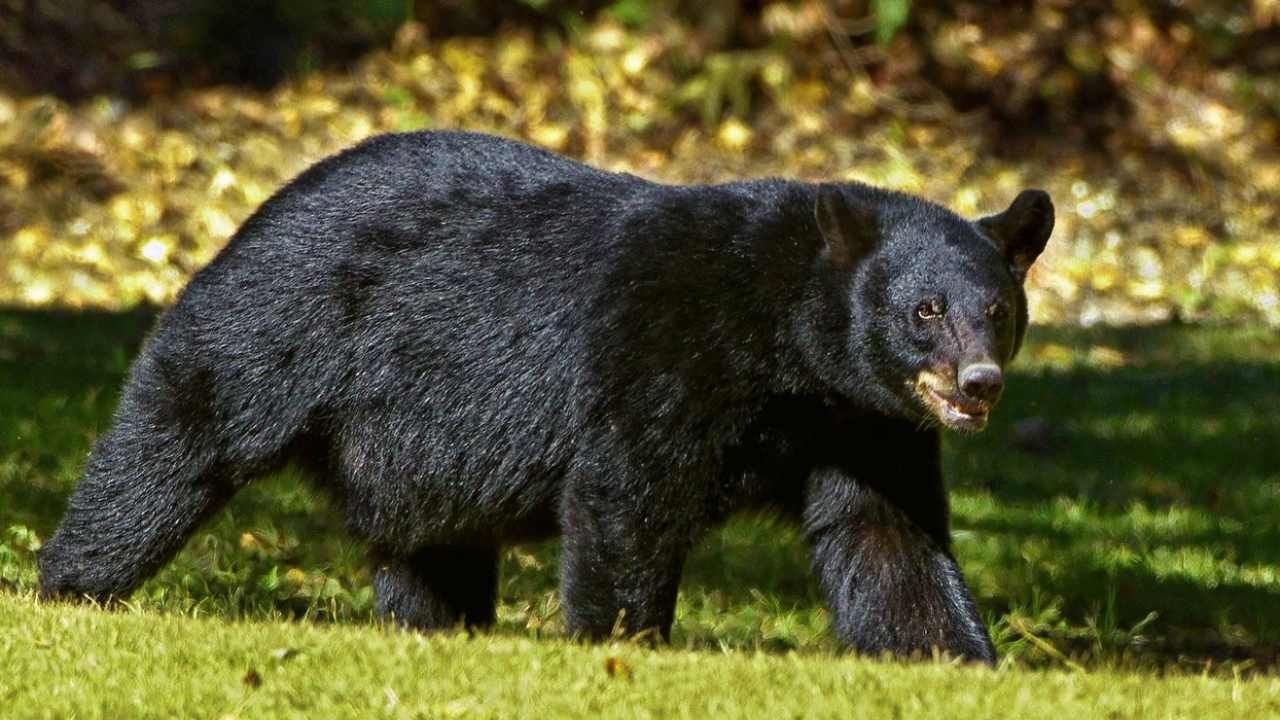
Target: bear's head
919, 310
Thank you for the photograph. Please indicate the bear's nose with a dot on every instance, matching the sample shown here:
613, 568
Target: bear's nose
982, 381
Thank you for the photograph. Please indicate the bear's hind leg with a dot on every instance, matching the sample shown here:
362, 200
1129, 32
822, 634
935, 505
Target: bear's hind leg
146, 488
438, 586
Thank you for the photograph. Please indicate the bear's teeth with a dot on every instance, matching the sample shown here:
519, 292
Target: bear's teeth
952, 411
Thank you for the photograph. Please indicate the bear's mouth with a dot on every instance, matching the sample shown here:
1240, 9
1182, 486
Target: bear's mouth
953, 410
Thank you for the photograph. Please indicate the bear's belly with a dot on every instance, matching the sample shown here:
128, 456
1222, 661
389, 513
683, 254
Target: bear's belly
409, 477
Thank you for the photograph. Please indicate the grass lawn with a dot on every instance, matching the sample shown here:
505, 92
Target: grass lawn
64, 662
1117, 523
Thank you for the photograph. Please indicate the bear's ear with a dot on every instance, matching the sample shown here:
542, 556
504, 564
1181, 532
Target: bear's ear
849, 227
1022, 231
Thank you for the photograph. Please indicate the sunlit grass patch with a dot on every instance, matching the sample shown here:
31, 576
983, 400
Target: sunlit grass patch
84, 662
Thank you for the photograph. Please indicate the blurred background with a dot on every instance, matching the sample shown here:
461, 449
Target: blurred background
136, 136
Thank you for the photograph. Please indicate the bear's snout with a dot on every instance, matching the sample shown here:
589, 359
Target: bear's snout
982, 381
954, 405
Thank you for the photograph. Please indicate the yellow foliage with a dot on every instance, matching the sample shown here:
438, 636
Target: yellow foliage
109, 205
734, 134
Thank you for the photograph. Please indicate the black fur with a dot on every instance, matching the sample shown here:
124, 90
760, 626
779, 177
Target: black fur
473, 342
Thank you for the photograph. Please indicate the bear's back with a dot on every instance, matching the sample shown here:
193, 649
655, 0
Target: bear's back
420, 304
455, 313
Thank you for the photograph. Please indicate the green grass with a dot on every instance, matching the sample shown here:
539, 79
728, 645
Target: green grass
86, 663
1121, 548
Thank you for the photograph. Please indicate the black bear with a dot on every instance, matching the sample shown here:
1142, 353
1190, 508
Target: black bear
472, 342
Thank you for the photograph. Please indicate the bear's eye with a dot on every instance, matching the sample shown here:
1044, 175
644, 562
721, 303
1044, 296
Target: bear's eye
997, 311
930, 309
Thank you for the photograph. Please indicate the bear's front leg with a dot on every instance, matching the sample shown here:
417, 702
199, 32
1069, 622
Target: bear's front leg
885, 568
624, 552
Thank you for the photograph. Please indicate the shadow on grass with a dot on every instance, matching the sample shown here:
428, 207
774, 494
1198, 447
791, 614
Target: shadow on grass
1145, 477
